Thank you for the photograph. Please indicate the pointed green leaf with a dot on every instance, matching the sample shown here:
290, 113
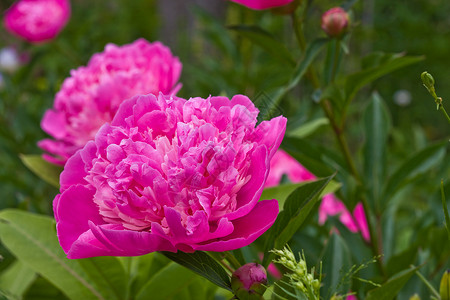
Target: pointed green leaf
308, 128
390, 289
295, 210
336, 261
32, 239
43, 169
376, 129
203, 264
266, 41
388, 64
412, 167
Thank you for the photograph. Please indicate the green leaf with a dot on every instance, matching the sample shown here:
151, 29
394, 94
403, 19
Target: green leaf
414, 166
32, 239
401, 261
169, 281
335, 262
267, 107
202, 264
390, 63
295, 210
308, 128
281, 192
377, 124
310, 54
266, 41
17, 279
108, 275
390, 289
43, 169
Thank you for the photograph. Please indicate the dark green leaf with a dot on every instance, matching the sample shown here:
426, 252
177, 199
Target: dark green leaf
376, 129
336, 262
266, 41
296, 208
167, 282
357, 80
390, 289
43, 169
310, 54
202, 264
417, 164
32, 239
401, 261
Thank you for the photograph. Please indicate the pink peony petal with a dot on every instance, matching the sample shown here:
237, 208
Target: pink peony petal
262, 4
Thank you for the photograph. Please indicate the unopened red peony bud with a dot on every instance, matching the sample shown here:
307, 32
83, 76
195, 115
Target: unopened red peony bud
335, 22
248, 281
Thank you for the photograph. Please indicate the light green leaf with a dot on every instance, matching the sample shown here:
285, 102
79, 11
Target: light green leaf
169, 281
43, 169
203, 264
281, 192
32, 239
16, 279
266, 41
390, 289
376, 129
295, 210
308, 128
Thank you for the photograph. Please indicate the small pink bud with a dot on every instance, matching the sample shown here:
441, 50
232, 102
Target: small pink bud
248, 281
335, 22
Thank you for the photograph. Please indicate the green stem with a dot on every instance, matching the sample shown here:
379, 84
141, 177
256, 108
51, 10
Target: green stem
338, 132
232, 260
428, 284
441, 107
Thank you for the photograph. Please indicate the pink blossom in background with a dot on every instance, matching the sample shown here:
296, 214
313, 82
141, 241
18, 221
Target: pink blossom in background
169, 174
37, 20
283, 164
262, 4
92, 94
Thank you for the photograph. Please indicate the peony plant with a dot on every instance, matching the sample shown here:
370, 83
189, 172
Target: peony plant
170, 174
262, 4
92, 94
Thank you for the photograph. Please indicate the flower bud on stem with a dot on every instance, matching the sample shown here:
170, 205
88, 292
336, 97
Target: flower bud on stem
428, 83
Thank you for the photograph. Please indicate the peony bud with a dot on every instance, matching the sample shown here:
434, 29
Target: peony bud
444, 289
335, 22
248, 281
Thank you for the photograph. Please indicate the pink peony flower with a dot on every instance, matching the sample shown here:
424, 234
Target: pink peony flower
169, 174
335, 22
262, 4
92, 95
282, 163
37, 20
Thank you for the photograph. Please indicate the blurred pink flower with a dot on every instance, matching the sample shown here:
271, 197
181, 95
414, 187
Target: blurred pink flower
262, 4
283, 164
92, 95
335, 22
37, 20
169, 174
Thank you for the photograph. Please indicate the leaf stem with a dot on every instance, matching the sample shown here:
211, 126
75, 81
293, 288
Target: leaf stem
428, 284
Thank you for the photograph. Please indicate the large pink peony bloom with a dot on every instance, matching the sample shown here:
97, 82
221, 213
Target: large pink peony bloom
37, 20
262, 4
283, 164
92, 95
167, 175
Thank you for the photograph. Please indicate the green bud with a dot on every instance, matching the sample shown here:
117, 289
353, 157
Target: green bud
427, 80
414, 297
444, 289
